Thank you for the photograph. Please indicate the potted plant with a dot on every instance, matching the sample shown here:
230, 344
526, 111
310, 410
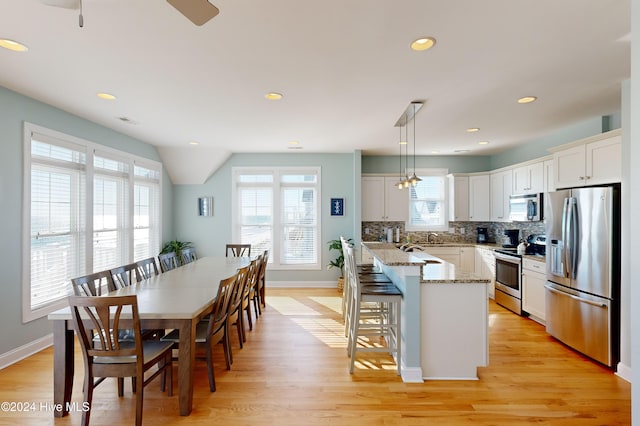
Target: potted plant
338, 262
177, 247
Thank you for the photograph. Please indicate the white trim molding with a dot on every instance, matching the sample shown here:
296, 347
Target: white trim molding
624, 372
24, 351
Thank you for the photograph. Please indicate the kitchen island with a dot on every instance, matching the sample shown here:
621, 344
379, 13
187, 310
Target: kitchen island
445, 314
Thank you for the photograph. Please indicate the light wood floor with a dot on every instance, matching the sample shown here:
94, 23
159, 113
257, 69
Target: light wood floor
293, 370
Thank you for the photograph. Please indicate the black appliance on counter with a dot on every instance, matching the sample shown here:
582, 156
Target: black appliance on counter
536, 244
483, 236
513, 236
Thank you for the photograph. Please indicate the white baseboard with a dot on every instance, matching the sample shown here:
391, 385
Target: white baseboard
412, 375
25, 351
302, 284
624, 372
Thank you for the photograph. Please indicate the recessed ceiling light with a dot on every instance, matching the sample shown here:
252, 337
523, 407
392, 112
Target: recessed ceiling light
106, 96
435, 152
194, 143
473, 129
294, 143
483, 143
273, 96
13, 45
423, 43
461, 151
402, 142
526, 99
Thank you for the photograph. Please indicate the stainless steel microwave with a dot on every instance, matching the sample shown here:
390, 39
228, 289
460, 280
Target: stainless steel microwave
525, 207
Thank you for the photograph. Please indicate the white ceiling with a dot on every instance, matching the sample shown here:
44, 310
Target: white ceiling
344, 67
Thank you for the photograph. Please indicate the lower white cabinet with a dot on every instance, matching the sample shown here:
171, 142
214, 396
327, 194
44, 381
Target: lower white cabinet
533, 295
448, 254
468, 259
485, 266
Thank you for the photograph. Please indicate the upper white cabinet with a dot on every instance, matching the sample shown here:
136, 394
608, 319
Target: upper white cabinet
528, 179
500, 189
383, 201
479, 197
592, 161
458, 198
549, 183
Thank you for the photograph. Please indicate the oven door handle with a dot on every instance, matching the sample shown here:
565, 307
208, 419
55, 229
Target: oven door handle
507, 258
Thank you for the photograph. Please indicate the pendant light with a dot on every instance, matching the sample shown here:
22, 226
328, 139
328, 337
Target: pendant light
400, 183
414, 179
407, 181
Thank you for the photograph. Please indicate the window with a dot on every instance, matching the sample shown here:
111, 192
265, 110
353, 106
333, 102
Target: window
80, 201
278, 210
427, 201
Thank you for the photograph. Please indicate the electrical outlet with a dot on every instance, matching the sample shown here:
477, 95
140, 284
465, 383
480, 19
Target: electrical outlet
462, 231
452, 230
366, 231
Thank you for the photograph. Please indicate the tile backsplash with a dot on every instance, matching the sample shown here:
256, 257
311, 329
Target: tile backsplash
465, 232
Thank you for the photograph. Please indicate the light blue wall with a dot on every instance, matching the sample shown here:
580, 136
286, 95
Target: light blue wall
210, 234
15, 110
455, 164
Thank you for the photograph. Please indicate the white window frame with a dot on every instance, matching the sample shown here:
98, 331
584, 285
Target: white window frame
29, 314
276, 185
445, 226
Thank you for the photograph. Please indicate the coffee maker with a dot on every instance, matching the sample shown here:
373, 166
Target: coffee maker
482, 236
513, 236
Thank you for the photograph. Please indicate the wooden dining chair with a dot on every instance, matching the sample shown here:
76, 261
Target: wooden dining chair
146, 268
262, 281
213, 330
95, 284
188, 255
123, 276
249, 291
168, 261
238, 250
101, 316
234, 312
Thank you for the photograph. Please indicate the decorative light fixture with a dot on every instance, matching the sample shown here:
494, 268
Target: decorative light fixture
414, 179
408, 115
400, 183
473, 129
106, 96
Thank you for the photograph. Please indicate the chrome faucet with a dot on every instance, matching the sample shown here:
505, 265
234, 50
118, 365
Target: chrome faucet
429, 236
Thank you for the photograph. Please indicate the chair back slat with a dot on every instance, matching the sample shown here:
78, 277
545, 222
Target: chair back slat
168, 261
122, 275
238, 250
93, 284
146, 269
188, 255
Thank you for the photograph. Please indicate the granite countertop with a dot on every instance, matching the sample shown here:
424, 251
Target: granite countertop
433, 269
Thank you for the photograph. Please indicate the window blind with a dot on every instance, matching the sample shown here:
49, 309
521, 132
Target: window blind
427, 203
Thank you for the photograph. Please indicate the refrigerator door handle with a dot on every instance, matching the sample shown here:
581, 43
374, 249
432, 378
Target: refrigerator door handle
566, 244
580, 299
573, 237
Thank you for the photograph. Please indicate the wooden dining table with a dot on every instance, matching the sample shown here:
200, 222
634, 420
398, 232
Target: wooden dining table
176, 299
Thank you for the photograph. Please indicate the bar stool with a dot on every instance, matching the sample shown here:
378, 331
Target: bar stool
383, 319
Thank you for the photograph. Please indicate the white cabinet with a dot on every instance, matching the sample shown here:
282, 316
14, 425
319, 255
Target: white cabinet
592, 161
533, 294
528, 179
479, 197
500, 189
448, 254
468, 259
549, 183
458, 198
485, 266
383, 201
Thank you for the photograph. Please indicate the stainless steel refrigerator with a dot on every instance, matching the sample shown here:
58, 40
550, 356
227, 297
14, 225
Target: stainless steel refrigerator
583, 270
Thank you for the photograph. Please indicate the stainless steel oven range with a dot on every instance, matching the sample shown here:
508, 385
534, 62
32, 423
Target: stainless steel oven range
509, 279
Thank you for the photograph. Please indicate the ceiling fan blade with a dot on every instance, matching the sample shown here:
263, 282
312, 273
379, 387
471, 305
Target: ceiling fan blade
197, 11
67, 4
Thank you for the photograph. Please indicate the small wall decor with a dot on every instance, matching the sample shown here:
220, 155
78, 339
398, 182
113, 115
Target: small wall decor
205, 206
337, 207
